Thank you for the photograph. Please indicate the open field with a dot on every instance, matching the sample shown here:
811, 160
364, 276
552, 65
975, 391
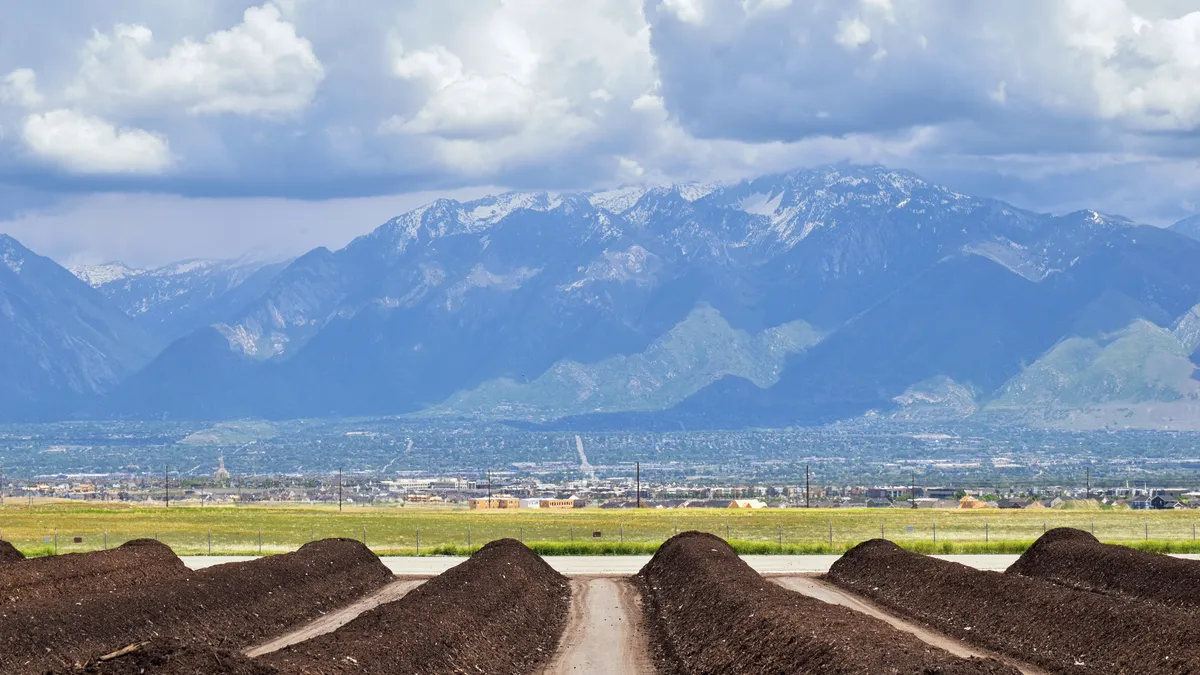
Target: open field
395, 531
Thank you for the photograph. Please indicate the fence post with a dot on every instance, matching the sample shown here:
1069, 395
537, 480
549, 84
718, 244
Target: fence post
831, 535
210, 541
1147, 530
106, 540
727, 530
935, 532
1093, 528
418, 540
987, 535
622, 533
1043, 527
779, 527
364, 534
572, 532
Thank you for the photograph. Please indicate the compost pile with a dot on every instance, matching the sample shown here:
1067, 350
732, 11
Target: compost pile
78, 575
173, 658
501, 611
1076, 559
1058, 628
709, 612
226, 606
9, 553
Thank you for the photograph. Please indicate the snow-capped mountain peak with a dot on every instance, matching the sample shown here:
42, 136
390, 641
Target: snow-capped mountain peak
98, 275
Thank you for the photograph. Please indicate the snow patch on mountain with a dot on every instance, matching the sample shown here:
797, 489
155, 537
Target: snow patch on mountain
617, 201
634, 264
761, 204
98, 275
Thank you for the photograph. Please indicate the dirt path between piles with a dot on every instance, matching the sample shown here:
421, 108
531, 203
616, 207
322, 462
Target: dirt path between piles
815, 588
335, 620
604, 631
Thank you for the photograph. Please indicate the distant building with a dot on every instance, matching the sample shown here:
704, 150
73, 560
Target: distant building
1164, 502
221, 474
496, 502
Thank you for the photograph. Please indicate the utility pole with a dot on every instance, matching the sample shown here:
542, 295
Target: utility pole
807, 501
1088, 489
167, 484
639, 485
339, 490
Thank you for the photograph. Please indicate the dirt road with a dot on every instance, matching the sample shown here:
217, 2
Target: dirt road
828, 593
335, 620
603, 634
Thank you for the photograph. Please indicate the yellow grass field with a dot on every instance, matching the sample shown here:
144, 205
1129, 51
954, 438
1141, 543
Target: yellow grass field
49, 527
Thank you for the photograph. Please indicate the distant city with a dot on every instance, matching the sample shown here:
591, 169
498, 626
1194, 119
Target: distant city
396, 461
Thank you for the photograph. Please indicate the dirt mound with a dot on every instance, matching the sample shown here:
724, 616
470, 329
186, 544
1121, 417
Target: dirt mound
1057, 628
501, 611
226, 606
1079, 561
77, 575
174, 658
709, 612
9, 553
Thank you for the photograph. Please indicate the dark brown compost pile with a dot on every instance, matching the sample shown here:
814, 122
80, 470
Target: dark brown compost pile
174, 658
1076, 559
9, 553
709, 612
1060, 629
500, 612
226, 606
77, 575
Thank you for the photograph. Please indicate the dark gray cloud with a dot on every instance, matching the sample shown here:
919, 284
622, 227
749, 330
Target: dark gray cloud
245, 104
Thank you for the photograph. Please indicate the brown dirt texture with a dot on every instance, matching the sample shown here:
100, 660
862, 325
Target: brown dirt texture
1059, 629
174, 658
709, 612
77, 575
226, 606
1076, 559
9, 553
500, 612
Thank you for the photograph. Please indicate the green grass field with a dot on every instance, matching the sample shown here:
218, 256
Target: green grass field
46, 528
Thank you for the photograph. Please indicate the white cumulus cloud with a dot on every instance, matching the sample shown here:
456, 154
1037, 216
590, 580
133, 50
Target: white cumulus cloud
258, 67
20, 87
852, 33
90, 145
692, 11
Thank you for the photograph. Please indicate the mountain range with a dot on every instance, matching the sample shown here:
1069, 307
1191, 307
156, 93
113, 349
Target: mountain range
798, 298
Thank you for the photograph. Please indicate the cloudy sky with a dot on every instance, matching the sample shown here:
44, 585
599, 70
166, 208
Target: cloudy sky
148, 131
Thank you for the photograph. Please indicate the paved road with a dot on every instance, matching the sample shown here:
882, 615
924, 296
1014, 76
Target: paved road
830, 594
603, 634
626, 565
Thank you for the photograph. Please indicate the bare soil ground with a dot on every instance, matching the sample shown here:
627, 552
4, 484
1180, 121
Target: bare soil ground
604, 635
77, 575
1076, 559
1059, 629
332, 621
9, 553
223, 607
173, 657
709, 612
821, 590
502, 611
